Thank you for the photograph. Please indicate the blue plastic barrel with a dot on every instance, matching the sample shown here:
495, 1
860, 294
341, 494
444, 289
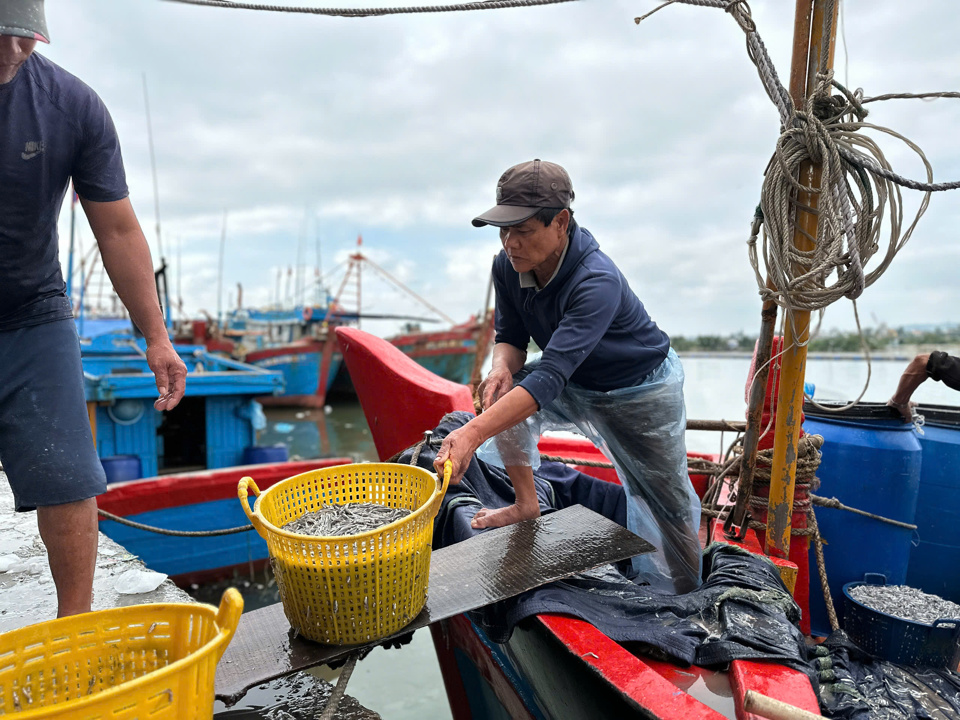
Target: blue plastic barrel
261, 455
122, 467
934, 561
871, 461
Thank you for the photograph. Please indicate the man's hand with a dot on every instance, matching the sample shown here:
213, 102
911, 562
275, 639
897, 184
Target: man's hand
905, 409
457, 447
497, 384
170, 372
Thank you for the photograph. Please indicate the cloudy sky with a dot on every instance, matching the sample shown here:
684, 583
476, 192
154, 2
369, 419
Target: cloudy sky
309, 131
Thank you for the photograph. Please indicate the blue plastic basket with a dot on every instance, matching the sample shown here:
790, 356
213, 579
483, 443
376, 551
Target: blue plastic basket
898, 640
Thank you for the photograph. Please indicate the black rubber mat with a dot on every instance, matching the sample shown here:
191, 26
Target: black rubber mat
487, 568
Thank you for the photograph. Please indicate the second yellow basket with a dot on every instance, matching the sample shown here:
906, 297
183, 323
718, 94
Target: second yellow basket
358, 588
132, 663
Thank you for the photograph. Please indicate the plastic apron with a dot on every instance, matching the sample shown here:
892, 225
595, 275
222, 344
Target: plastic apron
642, 429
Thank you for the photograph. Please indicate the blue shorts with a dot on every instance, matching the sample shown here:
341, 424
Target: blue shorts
46, 446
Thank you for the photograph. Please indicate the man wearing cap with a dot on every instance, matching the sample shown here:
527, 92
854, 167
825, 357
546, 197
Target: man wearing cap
606, 370
53, 128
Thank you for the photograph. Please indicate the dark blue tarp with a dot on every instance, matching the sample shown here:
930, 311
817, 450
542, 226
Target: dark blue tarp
742, 610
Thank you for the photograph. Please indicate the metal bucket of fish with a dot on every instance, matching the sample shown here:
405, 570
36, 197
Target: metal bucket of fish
902, 624
342, 584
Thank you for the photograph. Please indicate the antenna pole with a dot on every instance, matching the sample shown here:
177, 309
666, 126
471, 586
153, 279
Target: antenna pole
223, 242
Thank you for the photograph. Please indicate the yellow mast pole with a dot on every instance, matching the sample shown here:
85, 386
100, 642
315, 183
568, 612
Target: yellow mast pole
807, 42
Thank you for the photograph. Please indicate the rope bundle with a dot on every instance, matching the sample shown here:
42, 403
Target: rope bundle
858, 186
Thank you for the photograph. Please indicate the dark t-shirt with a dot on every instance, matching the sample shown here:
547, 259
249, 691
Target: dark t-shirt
52, 127
945, 368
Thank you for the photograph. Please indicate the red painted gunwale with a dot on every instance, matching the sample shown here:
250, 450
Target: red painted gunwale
177, 489
392, 377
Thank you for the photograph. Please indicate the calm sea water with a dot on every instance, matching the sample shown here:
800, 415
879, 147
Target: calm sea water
406, 684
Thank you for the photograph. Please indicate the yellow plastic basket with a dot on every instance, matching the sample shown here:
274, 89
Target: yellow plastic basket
357, 588
132, 663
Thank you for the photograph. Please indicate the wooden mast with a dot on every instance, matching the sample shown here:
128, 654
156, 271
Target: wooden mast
807, 43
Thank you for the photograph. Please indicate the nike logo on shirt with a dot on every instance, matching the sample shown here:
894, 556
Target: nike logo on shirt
32, 149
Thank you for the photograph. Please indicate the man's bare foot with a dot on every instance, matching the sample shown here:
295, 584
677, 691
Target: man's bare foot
501, 517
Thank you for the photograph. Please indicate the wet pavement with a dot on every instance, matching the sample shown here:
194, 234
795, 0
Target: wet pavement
28, 595
26, 587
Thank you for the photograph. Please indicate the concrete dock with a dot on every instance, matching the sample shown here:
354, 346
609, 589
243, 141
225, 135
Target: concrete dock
28, 595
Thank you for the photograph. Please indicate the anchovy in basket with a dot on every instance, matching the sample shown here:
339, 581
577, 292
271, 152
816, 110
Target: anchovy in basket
905, 602
341, 520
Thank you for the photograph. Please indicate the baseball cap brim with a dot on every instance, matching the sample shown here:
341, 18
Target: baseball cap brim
23, 32
24, 18
505, 215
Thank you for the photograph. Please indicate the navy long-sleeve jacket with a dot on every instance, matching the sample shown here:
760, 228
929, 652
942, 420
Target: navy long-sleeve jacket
593, 329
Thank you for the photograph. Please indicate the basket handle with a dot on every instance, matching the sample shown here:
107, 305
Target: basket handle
228, 615
447, 471
947, 621
243, 488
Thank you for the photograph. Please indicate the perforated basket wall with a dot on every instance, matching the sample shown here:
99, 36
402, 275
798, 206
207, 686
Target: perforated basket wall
898, 640
146, 661
359, 588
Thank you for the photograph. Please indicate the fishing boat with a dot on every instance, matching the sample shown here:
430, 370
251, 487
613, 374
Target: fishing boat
455, 353
194, 501
295, 342
212, 427
555, 666
179, 470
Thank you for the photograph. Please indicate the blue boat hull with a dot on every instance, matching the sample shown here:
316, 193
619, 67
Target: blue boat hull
177, 556
301, 371
196, 501
457, 367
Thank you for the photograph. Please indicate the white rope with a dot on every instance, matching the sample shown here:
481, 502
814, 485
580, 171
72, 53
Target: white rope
858, 191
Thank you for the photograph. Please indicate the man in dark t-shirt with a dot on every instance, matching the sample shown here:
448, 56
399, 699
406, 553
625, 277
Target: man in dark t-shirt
53, 128
936, 365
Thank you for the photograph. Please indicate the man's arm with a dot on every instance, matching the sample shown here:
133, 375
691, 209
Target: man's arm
460, 445
507, 360
912, 377
126, 258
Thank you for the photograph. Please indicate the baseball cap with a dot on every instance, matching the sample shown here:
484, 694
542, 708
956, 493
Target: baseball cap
524, 190
24, 18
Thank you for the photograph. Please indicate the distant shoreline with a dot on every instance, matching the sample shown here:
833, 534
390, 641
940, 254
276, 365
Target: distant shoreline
898, 357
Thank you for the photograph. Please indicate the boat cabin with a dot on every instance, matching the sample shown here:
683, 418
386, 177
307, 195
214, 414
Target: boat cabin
215, 422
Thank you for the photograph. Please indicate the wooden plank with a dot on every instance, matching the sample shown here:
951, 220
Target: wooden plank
489, 567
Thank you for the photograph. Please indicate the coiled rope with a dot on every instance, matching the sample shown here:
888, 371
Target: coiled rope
858, 188
373, 12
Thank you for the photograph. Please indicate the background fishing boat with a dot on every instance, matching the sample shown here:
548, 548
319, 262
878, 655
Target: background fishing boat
297, 342
195, 501
454, 354
212, 427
